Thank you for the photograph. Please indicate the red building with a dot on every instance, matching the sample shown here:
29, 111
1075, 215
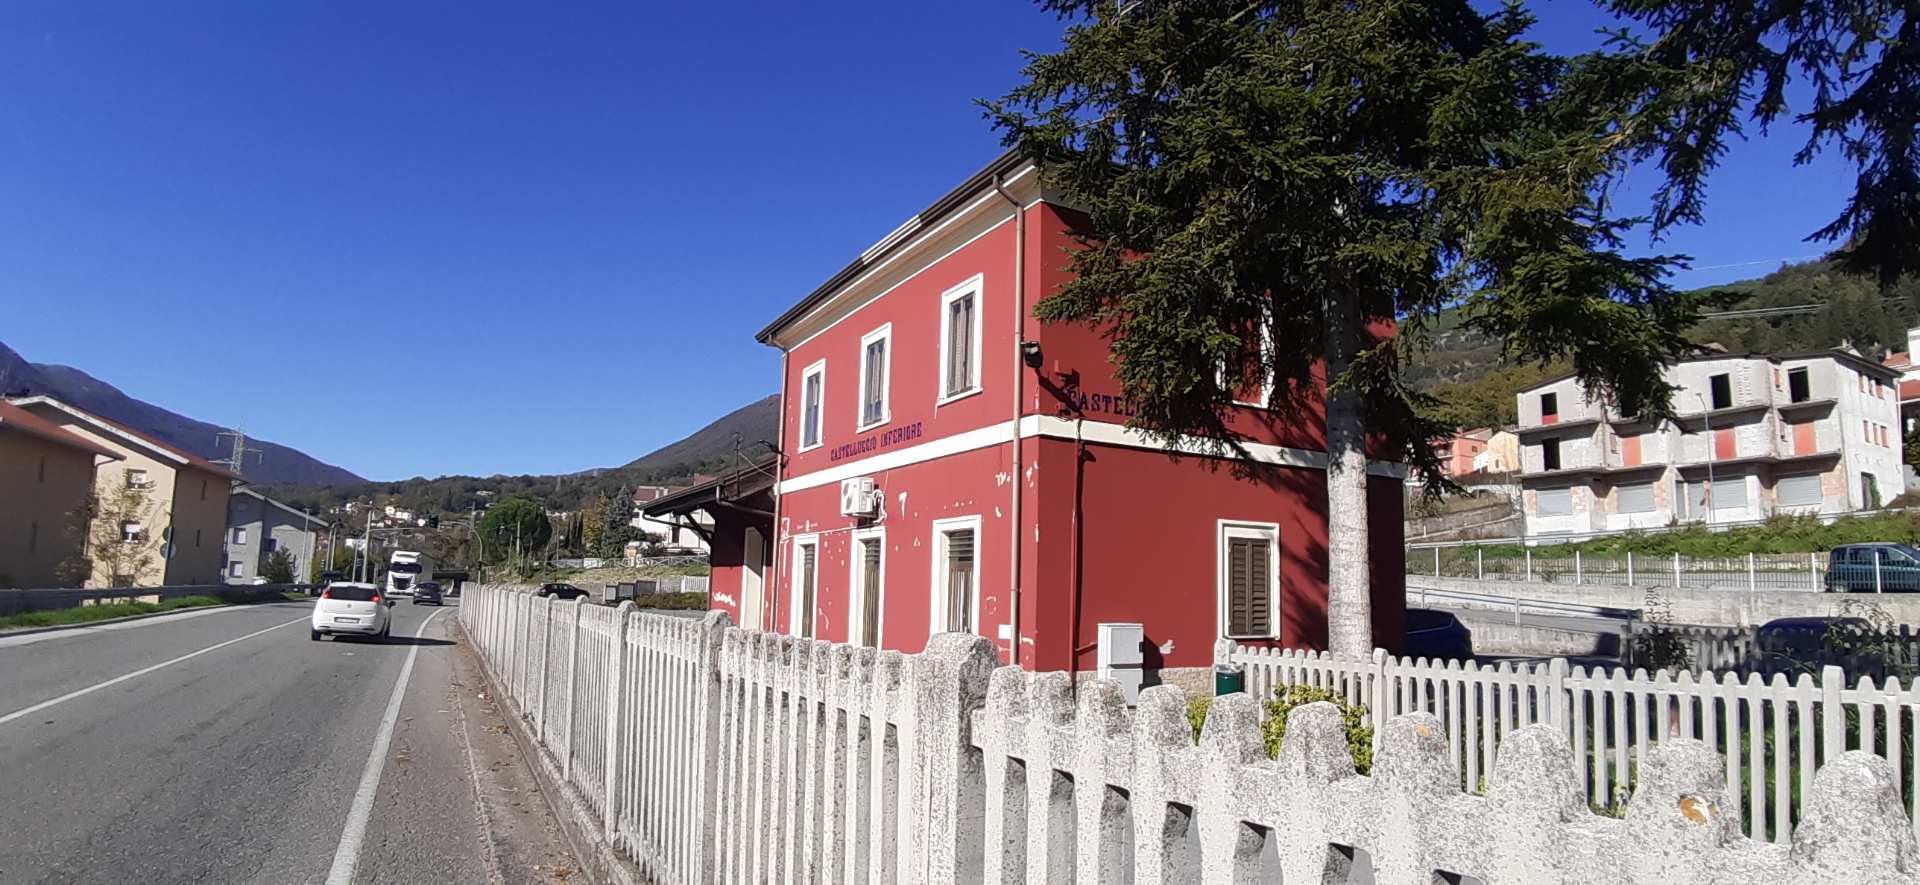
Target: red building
950, 463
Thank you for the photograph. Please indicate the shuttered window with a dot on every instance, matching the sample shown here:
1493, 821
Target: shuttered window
1729, 493
808, 579
1249, 583
873, 385
1553, 502
1801, 490
812, 394
960, 580
960, 339
870, 549
1634, 498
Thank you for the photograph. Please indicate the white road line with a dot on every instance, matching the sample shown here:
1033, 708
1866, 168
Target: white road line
347, 856
140, 672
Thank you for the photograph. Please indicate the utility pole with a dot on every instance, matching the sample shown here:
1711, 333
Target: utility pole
366, 549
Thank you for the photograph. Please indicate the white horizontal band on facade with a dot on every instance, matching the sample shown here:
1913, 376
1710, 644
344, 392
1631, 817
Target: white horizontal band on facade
1097, 432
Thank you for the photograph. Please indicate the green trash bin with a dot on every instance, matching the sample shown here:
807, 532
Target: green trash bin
1229, 680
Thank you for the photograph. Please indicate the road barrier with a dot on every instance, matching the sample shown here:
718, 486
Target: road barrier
714, 754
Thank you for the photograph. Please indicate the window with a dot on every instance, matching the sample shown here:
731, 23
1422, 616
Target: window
1549, 408
1249, 577
806, 585
132, 532
1798, 390
136, 478
1722, 391
1633, 498
875, 349
268, 545
960, 340
813, 394
1729, 493
1258, 387
868, 579
240, 535
1553, 502
43, 468
956, 574
1549, 454
235, 569
1800, 490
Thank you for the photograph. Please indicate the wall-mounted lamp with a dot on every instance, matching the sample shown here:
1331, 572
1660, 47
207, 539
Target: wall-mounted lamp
1030, 354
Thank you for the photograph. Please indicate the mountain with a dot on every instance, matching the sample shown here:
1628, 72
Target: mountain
278, 464
707, 450
753, 423
1464, 370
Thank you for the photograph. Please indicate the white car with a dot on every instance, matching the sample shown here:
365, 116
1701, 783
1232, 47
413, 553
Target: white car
352, 608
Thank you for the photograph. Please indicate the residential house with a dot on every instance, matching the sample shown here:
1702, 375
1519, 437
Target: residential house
258, 525
685, 533
186, 495
46, 482
952, 464
1751, 436
1501, 454
1904, 363
1460, 452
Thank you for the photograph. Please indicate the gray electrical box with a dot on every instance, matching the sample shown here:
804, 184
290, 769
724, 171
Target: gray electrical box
1121, 657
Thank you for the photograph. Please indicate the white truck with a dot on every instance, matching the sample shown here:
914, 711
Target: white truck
406, 568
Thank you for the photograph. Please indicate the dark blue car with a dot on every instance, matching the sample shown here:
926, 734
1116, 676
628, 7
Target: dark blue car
1437, 635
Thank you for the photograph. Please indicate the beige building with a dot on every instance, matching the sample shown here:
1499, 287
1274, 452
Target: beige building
180, 525
46, 476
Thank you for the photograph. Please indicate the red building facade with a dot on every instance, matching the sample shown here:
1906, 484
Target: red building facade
1007, 497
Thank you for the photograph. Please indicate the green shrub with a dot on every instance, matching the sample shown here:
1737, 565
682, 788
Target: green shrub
1273, 727
673, 601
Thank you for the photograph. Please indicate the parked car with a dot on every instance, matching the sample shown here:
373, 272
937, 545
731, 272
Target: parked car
350, 608
561, 591
427, 591
326, 578
1877, 567
1437, 635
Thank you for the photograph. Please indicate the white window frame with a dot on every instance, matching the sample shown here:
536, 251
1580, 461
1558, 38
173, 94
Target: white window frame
1228, 529
884, 333
236, 568
856, 587
937, 617
819, 367
139, 478
793, 584
975, 286
132, 531
239, 535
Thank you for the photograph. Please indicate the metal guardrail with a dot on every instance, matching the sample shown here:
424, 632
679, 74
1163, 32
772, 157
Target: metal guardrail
1426, 596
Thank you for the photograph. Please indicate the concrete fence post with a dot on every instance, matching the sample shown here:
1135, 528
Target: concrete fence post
706, 745
950, 785
1877, 585
616, 714
1479, 564
1676, 571
1629, 568
1528, 553
1576, 568
1833, 729
1559, 705
546, 653
573, 692
1436, 561
1753, 581
1813, 572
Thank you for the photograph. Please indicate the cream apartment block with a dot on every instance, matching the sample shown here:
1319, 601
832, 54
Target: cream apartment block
1751, 436
187, 513
46, 480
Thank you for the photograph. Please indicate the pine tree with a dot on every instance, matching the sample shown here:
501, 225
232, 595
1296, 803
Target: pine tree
1316, 170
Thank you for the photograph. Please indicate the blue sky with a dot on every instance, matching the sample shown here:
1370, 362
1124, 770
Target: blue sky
476, 237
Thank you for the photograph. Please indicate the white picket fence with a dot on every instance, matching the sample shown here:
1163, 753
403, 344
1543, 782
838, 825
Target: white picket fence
713, 754
1774, 734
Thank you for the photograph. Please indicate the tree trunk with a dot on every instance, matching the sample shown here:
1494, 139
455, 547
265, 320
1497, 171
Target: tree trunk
1349, 599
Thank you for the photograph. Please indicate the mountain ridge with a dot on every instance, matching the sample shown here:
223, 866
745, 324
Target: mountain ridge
279, 463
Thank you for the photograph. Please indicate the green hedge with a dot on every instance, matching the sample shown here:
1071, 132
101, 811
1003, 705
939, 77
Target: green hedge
1781, 534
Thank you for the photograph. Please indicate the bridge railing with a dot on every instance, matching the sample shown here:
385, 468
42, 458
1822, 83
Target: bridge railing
724, 755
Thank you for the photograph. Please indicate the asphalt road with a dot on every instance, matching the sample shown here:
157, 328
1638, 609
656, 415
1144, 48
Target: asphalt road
225, 746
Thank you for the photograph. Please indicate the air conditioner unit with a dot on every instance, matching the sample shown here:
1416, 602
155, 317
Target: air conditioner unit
858, 497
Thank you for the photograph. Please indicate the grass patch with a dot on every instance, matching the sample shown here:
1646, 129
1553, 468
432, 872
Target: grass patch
56, 617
